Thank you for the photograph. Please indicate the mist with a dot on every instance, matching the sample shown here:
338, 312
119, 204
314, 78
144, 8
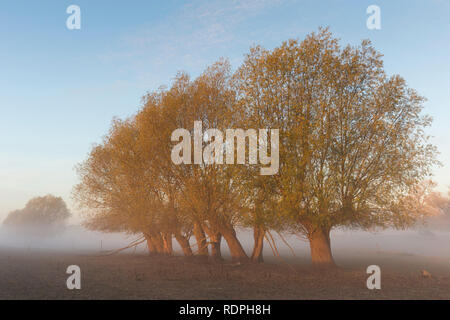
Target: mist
427, 240
38, 263
70, 239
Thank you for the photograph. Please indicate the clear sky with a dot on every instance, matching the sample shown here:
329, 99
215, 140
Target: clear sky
60, 88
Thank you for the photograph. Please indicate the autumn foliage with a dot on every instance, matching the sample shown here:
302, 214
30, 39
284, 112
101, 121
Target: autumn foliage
352, 151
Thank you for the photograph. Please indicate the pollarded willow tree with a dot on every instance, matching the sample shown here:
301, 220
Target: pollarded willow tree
352, 153
130, 183
352, 142
209, 197
114, 186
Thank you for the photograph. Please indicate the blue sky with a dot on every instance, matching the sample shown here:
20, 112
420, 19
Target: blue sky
60, 88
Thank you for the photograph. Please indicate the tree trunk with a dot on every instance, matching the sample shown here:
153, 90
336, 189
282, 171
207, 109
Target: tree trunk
157, 242
236, 250
258, 236
168, 244
150, 246
184, 244
215, 240
201, 240
319, 242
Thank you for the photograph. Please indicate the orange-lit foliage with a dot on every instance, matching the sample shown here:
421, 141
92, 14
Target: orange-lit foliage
352, 152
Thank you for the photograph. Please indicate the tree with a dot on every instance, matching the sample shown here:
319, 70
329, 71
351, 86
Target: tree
352, 142
352, 147
424, 202
208, 195
129, 182
48, 214
117, 186
432, 208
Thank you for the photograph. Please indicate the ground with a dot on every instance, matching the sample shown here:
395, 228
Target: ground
42, 275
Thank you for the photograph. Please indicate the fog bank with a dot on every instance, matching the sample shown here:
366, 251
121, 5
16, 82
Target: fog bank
421, 242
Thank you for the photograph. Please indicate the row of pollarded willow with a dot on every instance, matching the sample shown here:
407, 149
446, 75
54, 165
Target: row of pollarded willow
352, 148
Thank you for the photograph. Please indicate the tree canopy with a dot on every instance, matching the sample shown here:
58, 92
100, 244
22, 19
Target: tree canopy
353, 152
47, 212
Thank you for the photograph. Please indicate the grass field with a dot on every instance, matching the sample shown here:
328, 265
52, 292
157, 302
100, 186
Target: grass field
41, 274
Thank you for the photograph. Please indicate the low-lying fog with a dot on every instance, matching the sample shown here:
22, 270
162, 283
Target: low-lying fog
421, 241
